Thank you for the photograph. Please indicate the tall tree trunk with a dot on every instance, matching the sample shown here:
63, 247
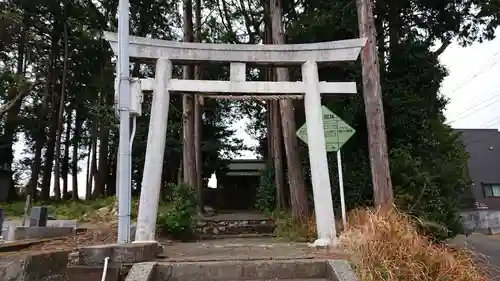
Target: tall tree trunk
65, 161
189, 160
381, 42
74, 157
11, 122
274, 126
197, 118
372, 92
42, 116
181, 169
50, 148
93, 163
88, 182
298, 193
277, 155
103, 170
60, 121
40, 139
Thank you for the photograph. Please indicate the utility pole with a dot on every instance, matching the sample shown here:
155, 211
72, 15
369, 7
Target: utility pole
372, 92
124, 172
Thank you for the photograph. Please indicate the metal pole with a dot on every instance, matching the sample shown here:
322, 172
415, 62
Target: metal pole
341, 185
124, 108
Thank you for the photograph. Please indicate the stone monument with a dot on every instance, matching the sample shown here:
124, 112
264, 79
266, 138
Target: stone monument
38, 217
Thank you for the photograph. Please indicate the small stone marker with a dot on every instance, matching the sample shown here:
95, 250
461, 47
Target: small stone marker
38, 216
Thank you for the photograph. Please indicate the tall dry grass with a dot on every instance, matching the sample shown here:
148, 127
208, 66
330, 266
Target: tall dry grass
384, 245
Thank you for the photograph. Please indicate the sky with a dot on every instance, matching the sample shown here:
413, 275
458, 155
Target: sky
472, 86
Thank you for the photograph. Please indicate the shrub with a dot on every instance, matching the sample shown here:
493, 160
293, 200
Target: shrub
266, 192
289, 229
179, 221
383, 244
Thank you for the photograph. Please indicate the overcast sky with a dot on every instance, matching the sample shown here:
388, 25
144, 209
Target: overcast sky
473, 85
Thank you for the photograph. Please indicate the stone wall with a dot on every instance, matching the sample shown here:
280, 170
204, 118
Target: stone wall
481, 220
223, 227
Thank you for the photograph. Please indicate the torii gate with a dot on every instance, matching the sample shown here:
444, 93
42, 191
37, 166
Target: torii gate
307, 55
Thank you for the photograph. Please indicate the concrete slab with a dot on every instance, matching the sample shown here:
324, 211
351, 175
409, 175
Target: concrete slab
118, 254
43, 266
29, 232
145, 271
244, 249
241, 270
493, 230
50, 223
340, 270
62, 223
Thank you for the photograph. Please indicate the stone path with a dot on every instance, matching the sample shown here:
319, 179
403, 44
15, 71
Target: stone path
243, 249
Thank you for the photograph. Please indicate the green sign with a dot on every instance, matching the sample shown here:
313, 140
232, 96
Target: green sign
337, 132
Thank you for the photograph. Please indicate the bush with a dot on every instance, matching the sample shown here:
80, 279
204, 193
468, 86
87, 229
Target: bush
384, 245
179, 221
266, 192
289, 229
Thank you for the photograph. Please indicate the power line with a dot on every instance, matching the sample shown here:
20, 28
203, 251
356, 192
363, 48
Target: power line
477, 73
491, 122
474, 111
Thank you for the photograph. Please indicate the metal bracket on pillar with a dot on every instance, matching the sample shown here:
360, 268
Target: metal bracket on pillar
136, 97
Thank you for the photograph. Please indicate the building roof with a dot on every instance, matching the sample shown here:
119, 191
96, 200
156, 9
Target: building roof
247, 165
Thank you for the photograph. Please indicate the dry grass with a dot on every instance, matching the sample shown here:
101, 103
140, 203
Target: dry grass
384, 245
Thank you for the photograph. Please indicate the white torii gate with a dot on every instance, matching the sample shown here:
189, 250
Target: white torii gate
307, 55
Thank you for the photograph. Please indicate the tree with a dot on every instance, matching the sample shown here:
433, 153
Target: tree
298, 193
420, 143
198, 101
188, 159
372, 92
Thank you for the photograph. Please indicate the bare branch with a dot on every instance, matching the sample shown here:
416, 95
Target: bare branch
443, 47
6, 107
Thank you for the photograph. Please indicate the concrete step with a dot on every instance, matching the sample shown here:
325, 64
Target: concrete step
92, 273
242, 270
308, 279
260, 270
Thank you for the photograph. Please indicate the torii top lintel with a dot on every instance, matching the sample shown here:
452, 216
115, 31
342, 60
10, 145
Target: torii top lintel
290, 54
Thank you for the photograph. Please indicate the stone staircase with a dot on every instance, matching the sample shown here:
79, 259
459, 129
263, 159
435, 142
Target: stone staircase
230, 228
215, 260
291, 270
